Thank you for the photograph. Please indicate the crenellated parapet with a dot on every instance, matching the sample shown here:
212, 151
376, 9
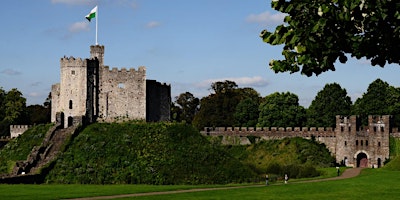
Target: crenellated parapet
16, 130
72, 62
131, 72
274, 132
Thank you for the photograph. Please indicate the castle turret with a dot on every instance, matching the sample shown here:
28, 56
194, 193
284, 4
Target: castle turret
97, 51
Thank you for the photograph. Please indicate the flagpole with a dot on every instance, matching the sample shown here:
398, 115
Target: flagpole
97, 17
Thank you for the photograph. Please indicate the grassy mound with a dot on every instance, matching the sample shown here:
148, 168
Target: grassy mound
394, 151
145, 153
296, 157
20, 147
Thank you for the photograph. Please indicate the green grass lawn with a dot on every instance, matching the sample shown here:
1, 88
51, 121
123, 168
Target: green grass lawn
371, 184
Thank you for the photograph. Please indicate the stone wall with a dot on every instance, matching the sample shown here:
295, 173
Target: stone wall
351, 144
122, 94
16, 130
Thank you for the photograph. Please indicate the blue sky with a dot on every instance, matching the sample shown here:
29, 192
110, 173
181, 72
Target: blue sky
188, 44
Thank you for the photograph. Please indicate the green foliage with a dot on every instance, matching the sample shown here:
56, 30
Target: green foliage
332, 100
380, 99
20, 147
140, 153
294, 156
38, 114
219, 109
246, 113
15, 105
318, 33
281, 110
188, 105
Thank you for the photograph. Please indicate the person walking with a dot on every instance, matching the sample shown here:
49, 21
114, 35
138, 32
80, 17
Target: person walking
286, 178
266, 179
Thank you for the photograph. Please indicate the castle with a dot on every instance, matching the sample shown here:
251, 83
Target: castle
89, 91
352, 144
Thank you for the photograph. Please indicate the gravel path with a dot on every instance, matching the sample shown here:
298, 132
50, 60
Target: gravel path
348, 173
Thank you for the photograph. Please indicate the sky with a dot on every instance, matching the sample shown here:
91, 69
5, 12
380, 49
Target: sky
187, 44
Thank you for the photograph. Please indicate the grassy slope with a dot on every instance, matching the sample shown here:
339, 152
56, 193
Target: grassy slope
20, 147
150, 153
277, 156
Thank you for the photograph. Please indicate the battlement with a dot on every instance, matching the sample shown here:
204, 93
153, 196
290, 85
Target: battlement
16, 130
72, 62
275, 132
140, 70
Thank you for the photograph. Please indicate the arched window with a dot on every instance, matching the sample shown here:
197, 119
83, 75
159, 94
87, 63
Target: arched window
70, 104
356, 142
366, 142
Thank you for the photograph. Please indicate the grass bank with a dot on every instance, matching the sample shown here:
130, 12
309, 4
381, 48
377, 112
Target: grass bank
371, 184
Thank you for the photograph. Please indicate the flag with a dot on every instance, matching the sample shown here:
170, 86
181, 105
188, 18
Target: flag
92, 14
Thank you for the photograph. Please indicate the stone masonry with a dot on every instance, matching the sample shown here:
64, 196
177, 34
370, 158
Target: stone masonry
352, 144
89, 91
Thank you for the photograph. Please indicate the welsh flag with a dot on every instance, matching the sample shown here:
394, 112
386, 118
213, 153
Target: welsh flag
92, 14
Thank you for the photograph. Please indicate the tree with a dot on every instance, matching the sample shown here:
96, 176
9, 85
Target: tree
218, 108
12, 110
380, 99
281, 110
332, 100
38, 114
15, 105
246, 113
318, 33
189, 105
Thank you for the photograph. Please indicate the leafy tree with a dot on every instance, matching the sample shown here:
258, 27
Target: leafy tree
15, 105
332, 100
176, 112
218, 108
318, 33
223, 87
189, 105
38, 114
246, 113
12, 110
281, 110
380, 99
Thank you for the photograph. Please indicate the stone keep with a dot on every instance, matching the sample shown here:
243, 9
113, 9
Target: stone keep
89, 91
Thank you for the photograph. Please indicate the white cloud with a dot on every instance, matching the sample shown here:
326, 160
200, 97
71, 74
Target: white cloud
34, 94
256, 81
266, 18
153, 24
10, 72
79, 27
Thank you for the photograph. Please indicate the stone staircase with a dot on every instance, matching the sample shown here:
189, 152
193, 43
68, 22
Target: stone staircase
45, 153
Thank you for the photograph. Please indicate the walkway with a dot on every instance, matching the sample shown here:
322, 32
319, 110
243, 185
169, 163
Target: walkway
348, 173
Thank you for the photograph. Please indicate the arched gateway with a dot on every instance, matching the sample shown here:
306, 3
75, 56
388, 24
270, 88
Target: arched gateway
362, 160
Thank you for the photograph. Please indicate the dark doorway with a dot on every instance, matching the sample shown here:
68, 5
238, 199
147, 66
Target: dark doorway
362, 160
70, 121
379, 162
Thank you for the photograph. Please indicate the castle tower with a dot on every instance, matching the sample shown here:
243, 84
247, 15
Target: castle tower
72, 89
358, 146
97, 51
